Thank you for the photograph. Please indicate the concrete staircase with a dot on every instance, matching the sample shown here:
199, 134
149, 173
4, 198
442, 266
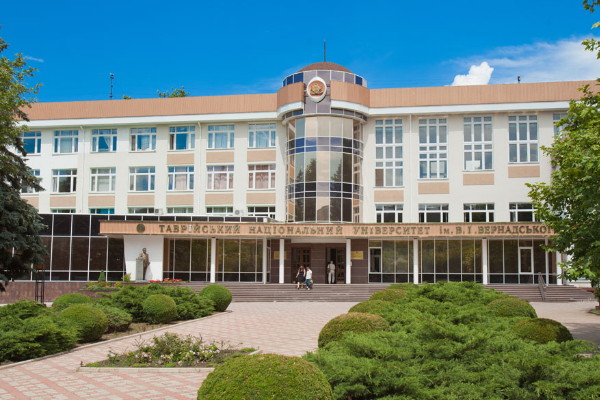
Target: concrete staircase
553, 293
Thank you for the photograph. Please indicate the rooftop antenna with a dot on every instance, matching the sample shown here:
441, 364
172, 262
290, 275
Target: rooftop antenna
324, 50
519, 79
112, 78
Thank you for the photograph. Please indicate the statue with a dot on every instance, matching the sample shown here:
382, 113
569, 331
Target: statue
145, 260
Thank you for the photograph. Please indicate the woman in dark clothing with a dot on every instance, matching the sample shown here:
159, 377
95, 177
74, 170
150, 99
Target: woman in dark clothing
300, 276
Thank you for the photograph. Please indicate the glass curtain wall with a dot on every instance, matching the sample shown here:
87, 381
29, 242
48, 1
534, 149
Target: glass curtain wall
324, 159
520, 261
450, 260
390, 261
239, 260
189, 259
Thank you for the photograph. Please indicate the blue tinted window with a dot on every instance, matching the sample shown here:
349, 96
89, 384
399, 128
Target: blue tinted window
299, 77
358, 80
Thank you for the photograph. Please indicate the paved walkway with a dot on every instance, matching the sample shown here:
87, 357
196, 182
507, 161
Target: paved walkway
284, 328
575, 316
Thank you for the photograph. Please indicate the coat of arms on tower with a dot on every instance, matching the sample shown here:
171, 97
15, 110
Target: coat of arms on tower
316, 89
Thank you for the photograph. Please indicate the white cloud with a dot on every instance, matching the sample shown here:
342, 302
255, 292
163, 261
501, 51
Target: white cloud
478, 75
33, 59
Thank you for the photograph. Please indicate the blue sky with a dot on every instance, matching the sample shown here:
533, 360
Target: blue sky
216, 48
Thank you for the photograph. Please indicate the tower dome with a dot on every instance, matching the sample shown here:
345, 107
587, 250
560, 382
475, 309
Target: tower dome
325, 66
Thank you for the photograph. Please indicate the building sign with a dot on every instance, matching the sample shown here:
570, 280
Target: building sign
281, 230
357, 255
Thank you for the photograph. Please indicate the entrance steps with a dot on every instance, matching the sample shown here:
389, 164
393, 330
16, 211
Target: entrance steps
554, 293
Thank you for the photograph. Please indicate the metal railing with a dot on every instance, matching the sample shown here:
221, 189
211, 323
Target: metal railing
542, 286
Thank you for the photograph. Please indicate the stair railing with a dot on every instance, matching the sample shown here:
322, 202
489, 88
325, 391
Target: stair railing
542, 286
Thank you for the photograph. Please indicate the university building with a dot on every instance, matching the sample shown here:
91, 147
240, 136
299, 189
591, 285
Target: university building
392, 185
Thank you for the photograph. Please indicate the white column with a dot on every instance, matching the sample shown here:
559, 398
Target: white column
213, 260
559, 271
416, 261
348, 261
264, 260
281, 260
484, 261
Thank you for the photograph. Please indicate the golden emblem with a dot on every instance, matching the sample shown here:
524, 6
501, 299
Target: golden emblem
316, 88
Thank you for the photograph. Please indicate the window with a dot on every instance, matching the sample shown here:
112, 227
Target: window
65, 141
478, 143
104, 140
262, 211
181, 178
220, 136
389, 212
220, 177
182, 137
479, 212
62, 210
433, 212
180, 210
388, 153
141, 179
433, 148
102, 211
555, 119
32, 142
523, 138
261, 135
140, 210
143, 139
261, 176
219, 210
29, 189
64, 180
103, 179
522, 212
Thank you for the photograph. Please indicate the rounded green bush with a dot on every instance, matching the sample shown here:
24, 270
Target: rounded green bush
266, 376
66, 300
389, 295
351, 322
89, 322
542, 330
159, 309
118, 320
512, 307
371, 307
219, 294
23, 309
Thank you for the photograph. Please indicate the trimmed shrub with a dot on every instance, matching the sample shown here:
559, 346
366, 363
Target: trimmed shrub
195, 307
351, 322
512, 307
159, 309
23, 309
89, 322
404, 286
542, 330
388, 295
371, 307
118, 320
266, 376
219, 294
66, 300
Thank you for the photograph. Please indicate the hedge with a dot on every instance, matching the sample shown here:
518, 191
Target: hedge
66, 300
219, 294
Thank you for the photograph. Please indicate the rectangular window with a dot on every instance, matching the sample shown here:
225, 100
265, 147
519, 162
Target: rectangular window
28, 189
220, 136
62, 210
64, 180
219, 210
523, 138
141, 179
66, 141
522, 212
433, 212
262, 211
479, 212
182, 137
180, 210
181, 178
389, 155
220, 177
555, 119
102, 211
142, 139
103, 179
140, 210
433, 148
389, 213
261, 176
478, 143
32, 142
261, 135
104, 140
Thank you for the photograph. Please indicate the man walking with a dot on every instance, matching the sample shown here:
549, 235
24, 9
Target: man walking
308, 278
331, 272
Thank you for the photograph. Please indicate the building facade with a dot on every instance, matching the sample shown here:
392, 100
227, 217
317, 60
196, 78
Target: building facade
392, 185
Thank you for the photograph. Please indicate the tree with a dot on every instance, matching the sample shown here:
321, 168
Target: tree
175, 92
570, 203
20, 224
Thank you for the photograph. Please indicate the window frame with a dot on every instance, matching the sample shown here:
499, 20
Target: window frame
141, 210
212, 173
71, 177
516, 142
389, 153
228, 210
221, 130
269, 213
134, 173
270, 173
174, 175
98, 134
97, 173
433, 153
32, 138
96, 211
188, 131
136, 134
181, 210
66, 135
555, 118
28, 189
254, 129
426, 210
517, 209
482, 147
469, 209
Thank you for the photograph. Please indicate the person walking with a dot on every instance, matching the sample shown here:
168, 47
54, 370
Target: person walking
331, 272
300, 277
308, 278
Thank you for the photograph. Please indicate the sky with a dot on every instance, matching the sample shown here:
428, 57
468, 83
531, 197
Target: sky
242, 47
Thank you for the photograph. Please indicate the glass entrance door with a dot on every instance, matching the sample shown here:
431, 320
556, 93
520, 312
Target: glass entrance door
525, 260
338, 256
300, 256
